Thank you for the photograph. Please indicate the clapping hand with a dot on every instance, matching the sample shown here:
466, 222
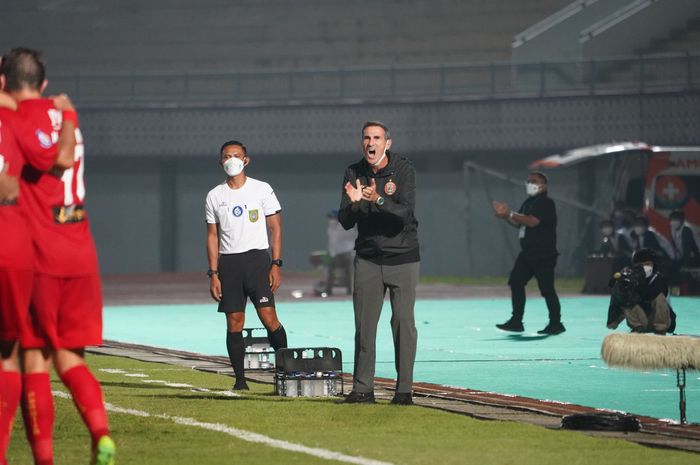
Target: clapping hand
355, 192
501, 208
369, 193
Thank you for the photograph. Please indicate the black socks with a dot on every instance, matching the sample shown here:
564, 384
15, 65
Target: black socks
278, 338
236, 353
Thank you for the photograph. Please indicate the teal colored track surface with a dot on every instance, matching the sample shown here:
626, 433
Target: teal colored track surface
458, 345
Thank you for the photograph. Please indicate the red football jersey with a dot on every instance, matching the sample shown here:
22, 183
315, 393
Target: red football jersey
16, 253
53, 201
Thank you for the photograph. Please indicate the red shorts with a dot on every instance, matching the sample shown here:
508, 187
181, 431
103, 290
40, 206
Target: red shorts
65, 313
15, 292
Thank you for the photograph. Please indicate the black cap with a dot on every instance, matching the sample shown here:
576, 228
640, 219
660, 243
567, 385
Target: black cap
644, 255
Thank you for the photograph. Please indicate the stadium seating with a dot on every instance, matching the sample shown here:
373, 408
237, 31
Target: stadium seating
184, 35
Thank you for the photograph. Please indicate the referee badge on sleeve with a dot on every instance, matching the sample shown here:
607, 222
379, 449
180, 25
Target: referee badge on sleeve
390, 187
253, 215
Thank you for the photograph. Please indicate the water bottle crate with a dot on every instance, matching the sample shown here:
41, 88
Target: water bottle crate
258, 352
309, 372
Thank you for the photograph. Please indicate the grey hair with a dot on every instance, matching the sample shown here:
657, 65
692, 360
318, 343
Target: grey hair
376, 123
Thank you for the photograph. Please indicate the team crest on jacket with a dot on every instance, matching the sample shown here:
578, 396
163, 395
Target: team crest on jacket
253, 216
43, 139
390, 187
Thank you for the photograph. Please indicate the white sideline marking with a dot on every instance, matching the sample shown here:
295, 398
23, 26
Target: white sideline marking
243, 435
168, 384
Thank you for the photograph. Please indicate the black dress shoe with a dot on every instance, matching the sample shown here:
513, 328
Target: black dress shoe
552, 329
240, 385
402, 398
359, 398
512, 325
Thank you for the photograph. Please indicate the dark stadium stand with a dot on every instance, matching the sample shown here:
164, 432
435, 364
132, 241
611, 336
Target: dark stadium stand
183, 35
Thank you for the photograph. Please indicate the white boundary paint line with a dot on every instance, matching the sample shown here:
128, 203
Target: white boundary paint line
168, 384
244, 435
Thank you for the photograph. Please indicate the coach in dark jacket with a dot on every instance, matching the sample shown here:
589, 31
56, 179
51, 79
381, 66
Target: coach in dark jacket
379, 197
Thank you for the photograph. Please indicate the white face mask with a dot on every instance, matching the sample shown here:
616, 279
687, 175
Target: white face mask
639, 230
607, 231
531, 188
675, 224
380, 159
233, 166
648, 270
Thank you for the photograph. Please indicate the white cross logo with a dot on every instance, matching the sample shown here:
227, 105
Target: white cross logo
670, 191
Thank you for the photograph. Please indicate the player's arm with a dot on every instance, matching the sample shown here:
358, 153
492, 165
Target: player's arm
274, 228
36, 144
9, 186
65, 147
213, 260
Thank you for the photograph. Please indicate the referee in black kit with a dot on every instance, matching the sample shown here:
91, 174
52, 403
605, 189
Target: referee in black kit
379, 195
537, 223
239, 214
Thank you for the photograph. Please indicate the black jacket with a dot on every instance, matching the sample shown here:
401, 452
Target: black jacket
387, 234
691, 254
650, 288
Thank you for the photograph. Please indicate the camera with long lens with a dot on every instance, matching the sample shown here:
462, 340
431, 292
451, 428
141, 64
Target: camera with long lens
629, 286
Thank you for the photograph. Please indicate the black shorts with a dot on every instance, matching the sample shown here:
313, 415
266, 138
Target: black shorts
245, 275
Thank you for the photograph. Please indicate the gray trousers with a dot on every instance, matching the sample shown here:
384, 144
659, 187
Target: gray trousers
371, 283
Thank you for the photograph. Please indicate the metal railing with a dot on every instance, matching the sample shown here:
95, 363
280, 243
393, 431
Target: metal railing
633, 74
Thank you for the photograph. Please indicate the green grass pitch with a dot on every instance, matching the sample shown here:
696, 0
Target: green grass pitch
175, 430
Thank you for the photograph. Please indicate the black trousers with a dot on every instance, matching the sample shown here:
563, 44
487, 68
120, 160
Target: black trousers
543, 271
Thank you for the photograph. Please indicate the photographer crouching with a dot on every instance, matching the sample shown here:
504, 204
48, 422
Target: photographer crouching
639, 295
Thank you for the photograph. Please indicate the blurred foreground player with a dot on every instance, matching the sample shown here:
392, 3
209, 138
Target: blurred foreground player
239, 213
16, 251
16, 275
66, 303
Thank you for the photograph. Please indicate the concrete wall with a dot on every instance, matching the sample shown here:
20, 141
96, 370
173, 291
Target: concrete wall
149, 169
147, 214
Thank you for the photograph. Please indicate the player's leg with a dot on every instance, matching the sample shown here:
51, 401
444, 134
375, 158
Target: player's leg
519, 277
79, 326
10, 392
37, 404
39, 335
87, 396
15, 292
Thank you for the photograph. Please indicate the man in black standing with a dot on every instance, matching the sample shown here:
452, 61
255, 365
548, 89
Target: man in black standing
379, 197
537, 222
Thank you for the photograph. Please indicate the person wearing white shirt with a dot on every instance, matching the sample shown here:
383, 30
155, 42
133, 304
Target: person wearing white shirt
243, 219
